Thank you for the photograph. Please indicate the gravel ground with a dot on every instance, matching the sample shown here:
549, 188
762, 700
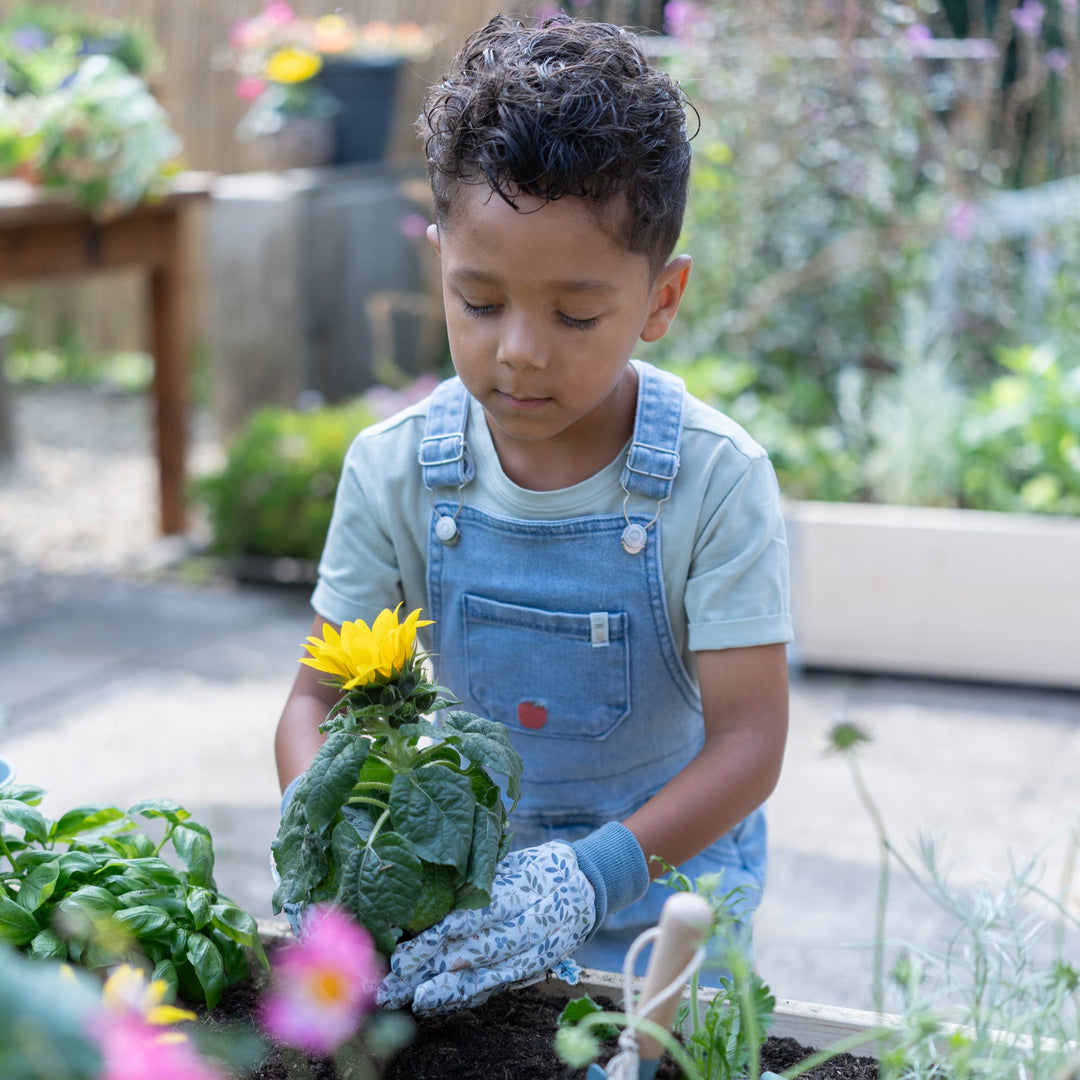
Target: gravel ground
78, 500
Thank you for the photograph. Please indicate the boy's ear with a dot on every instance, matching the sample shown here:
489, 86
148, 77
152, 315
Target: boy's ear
433, 237
667, 293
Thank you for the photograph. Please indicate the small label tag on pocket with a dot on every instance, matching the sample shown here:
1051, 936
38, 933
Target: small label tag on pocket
598, 624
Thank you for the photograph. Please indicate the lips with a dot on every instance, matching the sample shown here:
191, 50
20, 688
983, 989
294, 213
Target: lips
521, 401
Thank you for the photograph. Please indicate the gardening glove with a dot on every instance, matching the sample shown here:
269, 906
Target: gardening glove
545, 901
292, 912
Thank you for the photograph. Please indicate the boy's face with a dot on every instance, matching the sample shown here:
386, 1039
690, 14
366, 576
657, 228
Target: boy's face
544, 311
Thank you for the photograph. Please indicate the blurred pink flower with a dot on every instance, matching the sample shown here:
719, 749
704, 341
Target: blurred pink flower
249, 87
323, 985
918, 34
278, 13
1068, 5
132, 1050
1028, 17
414, 226
681, 17
961, 221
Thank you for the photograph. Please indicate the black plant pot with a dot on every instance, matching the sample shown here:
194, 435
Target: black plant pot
367, 91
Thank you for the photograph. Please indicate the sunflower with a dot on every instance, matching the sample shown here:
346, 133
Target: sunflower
360, 654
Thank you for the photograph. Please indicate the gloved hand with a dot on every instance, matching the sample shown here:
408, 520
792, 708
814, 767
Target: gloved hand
545, 901
293, 912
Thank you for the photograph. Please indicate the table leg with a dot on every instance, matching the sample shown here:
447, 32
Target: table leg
170, 337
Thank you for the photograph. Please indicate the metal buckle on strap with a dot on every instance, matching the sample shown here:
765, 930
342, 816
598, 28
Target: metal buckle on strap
456, 440
657, 455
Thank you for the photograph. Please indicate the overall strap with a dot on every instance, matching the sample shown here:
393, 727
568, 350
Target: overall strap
444, 456
653, 459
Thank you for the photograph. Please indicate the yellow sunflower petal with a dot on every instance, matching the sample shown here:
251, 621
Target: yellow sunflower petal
168, 1014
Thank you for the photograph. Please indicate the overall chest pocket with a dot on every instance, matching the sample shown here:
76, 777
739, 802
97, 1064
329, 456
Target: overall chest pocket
558, 675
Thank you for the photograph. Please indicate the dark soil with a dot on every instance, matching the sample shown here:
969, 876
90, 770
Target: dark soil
508, 1038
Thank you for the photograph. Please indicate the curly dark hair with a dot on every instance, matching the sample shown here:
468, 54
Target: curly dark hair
565, 107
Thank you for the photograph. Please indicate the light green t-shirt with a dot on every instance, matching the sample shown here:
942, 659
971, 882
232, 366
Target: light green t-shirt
724, 551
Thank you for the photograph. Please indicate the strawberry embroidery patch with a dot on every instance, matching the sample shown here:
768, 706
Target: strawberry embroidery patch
532, 715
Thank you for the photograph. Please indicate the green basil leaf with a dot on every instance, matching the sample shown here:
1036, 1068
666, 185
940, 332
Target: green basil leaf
153, 869
25, 793
48, 945
39, 885
79, 863
200, 905
195, 848
142, 920
239, 926
160, 808
166, 970
204, 957
90, 899
85, 819
17, 925
32, 822
432, 807
486, 742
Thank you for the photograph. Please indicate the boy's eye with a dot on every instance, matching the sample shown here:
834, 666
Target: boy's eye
477, 311
580, 324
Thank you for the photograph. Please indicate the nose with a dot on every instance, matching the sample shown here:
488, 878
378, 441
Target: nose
521, 344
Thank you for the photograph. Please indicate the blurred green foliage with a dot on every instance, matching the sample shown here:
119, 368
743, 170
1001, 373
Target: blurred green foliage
275, 495
858, 280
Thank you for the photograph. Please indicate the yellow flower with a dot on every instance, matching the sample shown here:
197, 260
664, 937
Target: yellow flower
292, 65
333, 34
127, 991
361, 654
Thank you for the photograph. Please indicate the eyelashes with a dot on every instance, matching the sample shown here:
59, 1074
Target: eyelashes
478, 311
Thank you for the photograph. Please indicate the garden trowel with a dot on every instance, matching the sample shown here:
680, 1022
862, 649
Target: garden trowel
685, 922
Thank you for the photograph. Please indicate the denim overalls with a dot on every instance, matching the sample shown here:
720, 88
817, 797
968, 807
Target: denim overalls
560, 631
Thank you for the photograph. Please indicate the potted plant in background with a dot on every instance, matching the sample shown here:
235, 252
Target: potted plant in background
322, 88
77, 112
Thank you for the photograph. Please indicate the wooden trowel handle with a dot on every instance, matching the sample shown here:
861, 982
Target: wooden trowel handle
685, 922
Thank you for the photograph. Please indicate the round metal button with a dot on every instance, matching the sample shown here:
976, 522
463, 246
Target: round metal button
634, 538
446, 529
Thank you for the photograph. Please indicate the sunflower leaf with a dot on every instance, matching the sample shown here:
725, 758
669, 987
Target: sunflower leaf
433, 808
486, 742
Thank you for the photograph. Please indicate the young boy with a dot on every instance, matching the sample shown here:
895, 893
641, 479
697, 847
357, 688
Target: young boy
603, 556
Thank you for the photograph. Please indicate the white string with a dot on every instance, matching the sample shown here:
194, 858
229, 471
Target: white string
625, 1064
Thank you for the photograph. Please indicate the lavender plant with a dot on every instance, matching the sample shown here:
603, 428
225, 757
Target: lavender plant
1000, 997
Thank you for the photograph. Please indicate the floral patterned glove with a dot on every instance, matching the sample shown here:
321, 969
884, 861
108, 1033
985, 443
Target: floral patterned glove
544, 904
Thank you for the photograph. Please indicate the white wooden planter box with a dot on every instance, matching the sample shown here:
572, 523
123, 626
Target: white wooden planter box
814, 1026
933, 592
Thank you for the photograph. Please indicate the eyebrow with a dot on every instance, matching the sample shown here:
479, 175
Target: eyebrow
471, 276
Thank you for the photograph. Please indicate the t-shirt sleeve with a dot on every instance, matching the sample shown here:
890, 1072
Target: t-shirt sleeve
358, 572
737, 593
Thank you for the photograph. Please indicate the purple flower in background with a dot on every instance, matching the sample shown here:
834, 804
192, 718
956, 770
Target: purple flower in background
681, 17
414, 226
29, 38
1057, 60
961, 221
1028, 17
1068, 5
918, 37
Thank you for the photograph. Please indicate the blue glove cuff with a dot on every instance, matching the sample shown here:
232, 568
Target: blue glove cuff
287, 794
612, 860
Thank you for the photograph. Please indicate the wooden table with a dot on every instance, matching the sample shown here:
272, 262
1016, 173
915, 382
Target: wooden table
44, 234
